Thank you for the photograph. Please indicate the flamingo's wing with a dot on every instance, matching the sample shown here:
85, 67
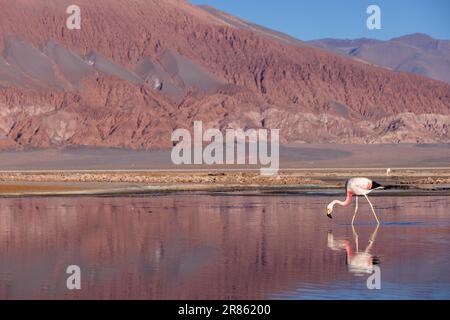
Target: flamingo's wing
360, 186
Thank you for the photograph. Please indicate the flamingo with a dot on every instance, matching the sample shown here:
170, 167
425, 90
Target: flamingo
357, 187
358, 262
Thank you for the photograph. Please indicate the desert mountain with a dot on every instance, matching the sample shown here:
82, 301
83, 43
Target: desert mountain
139, 69
416, 53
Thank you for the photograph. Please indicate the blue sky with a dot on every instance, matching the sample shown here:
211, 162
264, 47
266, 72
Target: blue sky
316, 19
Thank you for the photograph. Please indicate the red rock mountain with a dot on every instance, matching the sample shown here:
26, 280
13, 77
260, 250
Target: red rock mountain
139, 69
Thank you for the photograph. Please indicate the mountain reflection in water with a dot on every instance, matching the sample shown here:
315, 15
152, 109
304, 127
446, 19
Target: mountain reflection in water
193, 246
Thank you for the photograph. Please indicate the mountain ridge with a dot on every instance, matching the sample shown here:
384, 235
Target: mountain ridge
138, 70
415, 53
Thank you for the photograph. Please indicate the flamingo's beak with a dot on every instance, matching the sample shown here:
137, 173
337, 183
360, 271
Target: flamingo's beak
329, 214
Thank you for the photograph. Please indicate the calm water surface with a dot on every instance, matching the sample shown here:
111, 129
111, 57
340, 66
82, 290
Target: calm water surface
191, 246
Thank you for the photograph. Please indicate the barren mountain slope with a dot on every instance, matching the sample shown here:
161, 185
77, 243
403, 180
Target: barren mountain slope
139, 69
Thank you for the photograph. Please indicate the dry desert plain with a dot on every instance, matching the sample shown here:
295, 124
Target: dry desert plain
310, 169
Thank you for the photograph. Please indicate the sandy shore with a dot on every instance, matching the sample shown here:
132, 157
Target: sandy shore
293, 156
408, 180
418, 169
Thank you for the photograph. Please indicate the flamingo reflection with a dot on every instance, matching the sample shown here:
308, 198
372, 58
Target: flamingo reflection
358, 262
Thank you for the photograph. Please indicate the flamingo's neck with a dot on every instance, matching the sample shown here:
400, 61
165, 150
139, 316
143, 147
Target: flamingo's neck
347, 201
349, 251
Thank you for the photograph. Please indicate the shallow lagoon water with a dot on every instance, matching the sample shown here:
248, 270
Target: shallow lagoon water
212, 246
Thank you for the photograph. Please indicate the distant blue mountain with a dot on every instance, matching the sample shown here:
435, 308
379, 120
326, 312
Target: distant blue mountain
417, 53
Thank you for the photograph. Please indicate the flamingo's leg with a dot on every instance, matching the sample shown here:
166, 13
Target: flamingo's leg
330, 239
356, 210
372, 239
355, 235
371, 206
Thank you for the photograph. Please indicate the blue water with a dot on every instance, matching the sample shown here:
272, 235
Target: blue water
215, 246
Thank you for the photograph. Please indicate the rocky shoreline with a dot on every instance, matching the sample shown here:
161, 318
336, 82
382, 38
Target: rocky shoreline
123, 182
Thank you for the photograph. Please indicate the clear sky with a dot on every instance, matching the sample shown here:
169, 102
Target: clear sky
315, 19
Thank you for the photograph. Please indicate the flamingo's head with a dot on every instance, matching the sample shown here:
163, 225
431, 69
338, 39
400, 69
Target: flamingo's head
330, 210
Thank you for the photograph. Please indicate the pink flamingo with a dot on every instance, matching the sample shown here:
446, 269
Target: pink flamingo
358, 262
357, 187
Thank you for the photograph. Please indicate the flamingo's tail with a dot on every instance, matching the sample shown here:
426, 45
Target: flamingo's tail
377, 186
